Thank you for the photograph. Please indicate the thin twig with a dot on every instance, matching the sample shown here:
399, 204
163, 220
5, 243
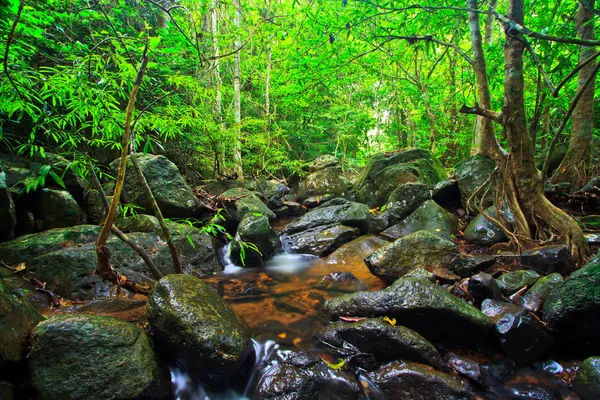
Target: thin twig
8, 42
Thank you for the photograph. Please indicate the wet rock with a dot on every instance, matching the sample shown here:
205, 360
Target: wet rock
471, 174
334, 212
587, 381
92, 357
254, 229
572, 312
269, 191
358, 248
215, 188
377, 337
315, 201
404, 200
340, 282
465, 366
470, 265
484, 232
421, 273
172, 193
384, 173
17, 319
302, 376
139, 223
428, 217
419, 305
447, 194
522, 335
325, 177
58, 209
95, 207
8, 214
407, 380
483, 286
512, 282
320, 240
197, 329
241, 202
534, 299
548, 259
25, 222
418, 250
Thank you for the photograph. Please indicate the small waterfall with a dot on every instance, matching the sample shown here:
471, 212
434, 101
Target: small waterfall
229, 267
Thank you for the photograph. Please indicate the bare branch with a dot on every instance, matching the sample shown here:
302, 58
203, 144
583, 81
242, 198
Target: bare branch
476, 110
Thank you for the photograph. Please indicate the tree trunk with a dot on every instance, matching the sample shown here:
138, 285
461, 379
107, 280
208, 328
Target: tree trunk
489, 24
484, 139
237, 128
523, 182
574, 167
214, 28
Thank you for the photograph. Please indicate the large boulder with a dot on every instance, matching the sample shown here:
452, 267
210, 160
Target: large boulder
325, 177
522, 335
472, 175
379, 339
548, 259
172, 193
58, 209
66, 260
238, 203
334, 212
400, 380
254, 233
269, 191
587, 381
17, 319
428, 217
419, 305
385, 172
197, 329
8, 214
482, 231
421, 249
303, 376
404, 200
320, 240
572, 312
93, 357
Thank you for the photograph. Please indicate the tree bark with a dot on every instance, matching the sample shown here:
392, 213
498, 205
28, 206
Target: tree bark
489, 24
573, 168
218, 83
484, 139
237, 128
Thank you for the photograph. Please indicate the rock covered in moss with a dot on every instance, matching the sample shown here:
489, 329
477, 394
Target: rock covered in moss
587, 380
534, 298
419, 305
421, 249
240, 202
17, 319
93, 357
325, 177
512, 282
404, 200
58, 209
254, 229
197, 329
428, 217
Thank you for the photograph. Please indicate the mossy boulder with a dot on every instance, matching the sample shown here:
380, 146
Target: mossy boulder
420, 305
421, 249
385, 172
404, 200
512, 282
572, 312
93, 357
254, 229
197, 330
482, 231
172, 193
534, 298
428, 217
240, 202
587, 380
335, 212
408, 380
17, 319
58, 209
320, 240
325, 177
472, 175
381, 340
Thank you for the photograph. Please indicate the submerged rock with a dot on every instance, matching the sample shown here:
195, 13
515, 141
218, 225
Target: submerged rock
587, 381
384, 173
385, 342
419, 305
320, 240
254, 229
172, 193
421, 249
407, 380
197, 330
522, 335
428, 217
534, 299
17, 319
92, 357
572, 312
303, 376
340, 282
334, 212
